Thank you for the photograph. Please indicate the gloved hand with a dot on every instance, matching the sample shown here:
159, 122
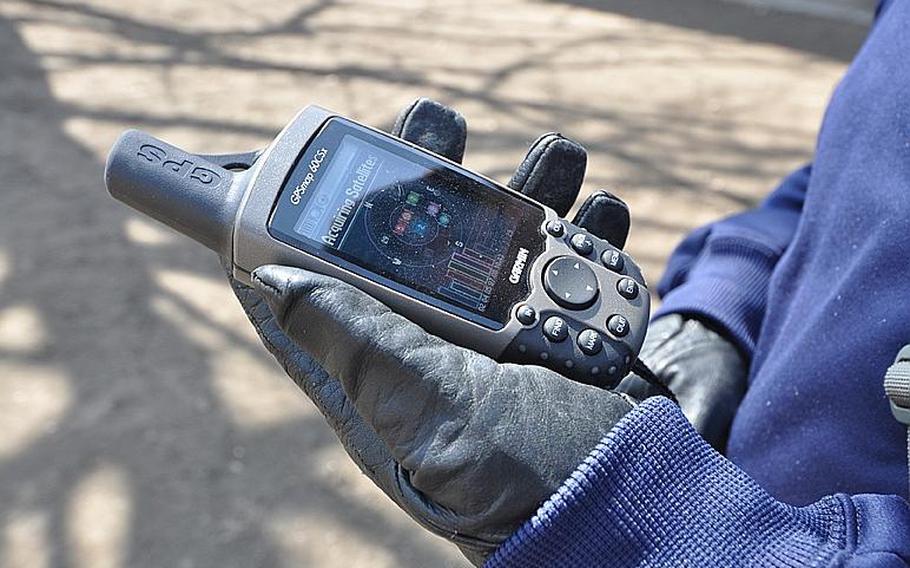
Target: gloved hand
706, 372
466, 446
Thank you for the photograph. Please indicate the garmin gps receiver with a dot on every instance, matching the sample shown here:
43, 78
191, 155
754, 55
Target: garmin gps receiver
468, 259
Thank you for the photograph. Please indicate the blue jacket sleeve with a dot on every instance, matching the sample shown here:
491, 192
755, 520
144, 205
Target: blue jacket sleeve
654, 493
720, 272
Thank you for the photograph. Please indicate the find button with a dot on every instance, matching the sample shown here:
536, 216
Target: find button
556, 329
570, 282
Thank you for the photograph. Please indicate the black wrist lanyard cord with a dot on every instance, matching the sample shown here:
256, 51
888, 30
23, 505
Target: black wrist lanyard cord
647, 375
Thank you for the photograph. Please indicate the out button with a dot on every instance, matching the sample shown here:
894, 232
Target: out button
618, 325
570, 282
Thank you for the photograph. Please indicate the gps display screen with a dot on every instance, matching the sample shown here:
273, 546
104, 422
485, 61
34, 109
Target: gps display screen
386, 211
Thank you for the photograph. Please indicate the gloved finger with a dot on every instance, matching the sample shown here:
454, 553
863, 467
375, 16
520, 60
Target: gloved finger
433, 126
552, 172
404, 382
606, 216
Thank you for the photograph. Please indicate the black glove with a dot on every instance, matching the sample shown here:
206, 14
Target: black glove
706, 372
466, 446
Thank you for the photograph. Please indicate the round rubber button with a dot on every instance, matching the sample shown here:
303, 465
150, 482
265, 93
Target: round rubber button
627, 288
582, 244
555, 228
556, 329
570, 282
526, 314
590, 342
612, 259
618, 325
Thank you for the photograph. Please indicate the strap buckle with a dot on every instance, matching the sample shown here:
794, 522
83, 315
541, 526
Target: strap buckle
897, 386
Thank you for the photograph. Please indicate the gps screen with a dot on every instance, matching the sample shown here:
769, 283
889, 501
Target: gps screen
387, 210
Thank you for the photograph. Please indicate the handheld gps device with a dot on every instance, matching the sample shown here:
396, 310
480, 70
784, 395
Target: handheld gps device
468, 259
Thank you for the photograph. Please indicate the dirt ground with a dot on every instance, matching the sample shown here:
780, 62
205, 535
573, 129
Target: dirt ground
141, 422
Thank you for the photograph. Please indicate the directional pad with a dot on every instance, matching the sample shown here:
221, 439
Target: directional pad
570, 282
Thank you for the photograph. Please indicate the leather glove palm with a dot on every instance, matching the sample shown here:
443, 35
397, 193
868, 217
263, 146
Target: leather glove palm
466, 446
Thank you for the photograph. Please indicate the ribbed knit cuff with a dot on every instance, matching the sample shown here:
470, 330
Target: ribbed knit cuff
728, 286
654, 493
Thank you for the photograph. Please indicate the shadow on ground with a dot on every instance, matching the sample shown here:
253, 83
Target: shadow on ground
818, 36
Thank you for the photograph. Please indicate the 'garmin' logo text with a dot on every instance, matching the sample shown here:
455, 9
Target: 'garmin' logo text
183, 168
519, 266
313, 167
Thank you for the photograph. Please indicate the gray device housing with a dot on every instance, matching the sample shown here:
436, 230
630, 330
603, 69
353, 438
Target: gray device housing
229, 211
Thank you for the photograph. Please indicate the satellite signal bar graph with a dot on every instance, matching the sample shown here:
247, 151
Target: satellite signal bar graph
470, 277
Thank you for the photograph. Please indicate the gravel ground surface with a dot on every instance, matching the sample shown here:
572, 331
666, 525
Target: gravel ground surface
142, 422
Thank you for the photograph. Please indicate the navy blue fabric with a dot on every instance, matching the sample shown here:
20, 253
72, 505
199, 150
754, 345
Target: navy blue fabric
813, 285
655, 494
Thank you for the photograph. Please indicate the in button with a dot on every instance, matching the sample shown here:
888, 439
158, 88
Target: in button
612, 259
526, 314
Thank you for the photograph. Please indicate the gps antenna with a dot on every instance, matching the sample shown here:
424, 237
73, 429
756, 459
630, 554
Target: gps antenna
185, 191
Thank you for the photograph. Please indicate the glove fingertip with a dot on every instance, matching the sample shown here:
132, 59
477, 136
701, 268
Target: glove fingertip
433, 126
606, 216
552, 171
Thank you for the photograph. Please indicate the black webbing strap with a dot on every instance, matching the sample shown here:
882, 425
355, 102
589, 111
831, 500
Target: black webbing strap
897, 387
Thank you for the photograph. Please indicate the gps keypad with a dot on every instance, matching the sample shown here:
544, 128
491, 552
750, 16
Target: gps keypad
592, 294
